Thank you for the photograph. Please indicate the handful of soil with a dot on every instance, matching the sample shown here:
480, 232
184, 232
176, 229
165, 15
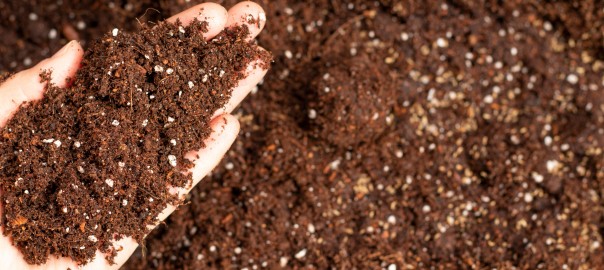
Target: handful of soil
92, 163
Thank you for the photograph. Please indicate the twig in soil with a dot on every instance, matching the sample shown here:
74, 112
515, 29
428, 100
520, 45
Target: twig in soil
343, 27
368, 14
139, 22
147, 10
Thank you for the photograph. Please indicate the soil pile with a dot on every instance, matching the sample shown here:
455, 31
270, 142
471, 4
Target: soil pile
92, 163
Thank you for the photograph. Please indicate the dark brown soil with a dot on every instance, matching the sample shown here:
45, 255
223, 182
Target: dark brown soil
92, 163
33, 30
486, 151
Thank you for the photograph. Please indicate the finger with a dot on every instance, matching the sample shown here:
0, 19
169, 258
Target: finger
244, 87
10, 256
225, 130
250, 14
214, 14
125, 246
25, 86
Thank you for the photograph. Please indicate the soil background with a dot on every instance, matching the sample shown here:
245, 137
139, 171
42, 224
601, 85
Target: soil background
388, 135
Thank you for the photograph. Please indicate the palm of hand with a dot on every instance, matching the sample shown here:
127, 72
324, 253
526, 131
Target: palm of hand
24, 87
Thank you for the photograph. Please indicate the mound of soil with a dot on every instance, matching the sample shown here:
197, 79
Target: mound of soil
489, 153
352, 94
93, 162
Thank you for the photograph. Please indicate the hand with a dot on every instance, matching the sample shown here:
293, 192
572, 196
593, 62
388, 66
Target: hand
25, 86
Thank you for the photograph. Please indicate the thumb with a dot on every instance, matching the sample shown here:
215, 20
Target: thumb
25, 86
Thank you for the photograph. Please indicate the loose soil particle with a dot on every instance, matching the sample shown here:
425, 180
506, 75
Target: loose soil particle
486, 153
92, 163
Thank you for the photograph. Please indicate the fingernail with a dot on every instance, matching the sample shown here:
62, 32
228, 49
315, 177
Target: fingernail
64, 50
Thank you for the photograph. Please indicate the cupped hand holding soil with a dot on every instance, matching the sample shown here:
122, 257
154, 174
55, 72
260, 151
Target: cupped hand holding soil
25, 87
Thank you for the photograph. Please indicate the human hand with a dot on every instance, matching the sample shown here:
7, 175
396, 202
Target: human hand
25, 87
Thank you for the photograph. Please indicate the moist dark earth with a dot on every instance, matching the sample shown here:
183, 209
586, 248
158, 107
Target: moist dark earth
389, 135
93, 162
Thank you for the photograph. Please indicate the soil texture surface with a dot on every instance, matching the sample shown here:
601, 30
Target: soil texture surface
438, 134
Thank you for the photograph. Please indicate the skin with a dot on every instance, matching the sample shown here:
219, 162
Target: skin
25, 87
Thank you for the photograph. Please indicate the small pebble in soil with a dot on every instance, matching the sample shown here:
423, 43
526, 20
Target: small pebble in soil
301, 254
